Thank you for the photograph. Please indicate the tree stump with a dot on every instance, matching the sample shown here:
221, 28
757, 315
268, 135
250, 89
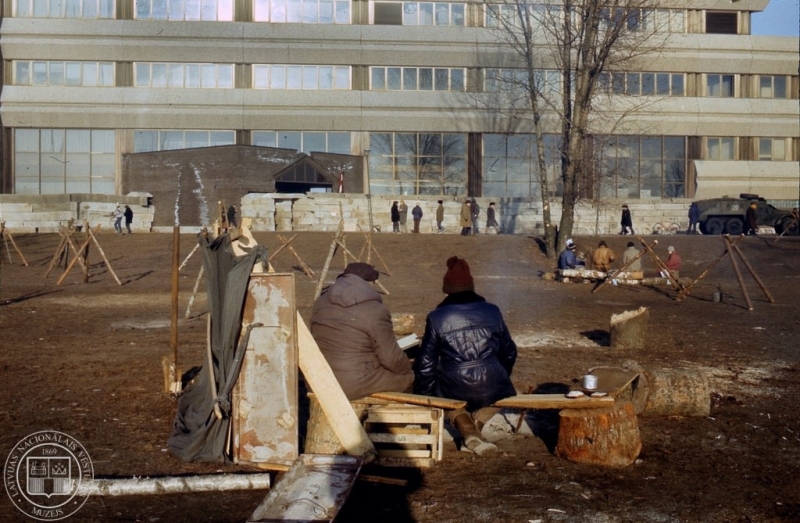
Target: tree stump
678, 392
320, 437
607, 436
629, 329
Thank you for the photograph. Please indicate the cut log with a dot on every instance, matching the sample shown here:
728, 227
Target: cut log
629, 329
172, 485
402, 323
607, 436
678, 392
320, 437
623, 384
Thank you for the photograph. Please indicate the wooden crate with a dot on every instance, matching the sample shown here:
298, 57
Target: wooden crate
405, 435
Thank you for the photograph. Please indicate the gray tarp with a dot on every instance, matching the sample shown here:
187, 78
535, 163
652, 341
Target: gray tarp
197, 434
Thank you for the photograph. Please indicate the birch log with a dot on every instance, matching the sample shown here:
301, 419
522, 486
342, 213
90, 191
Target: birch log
172, 485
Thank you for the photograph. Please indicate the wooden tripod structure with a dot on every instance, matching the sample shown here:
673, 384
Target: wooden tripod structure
6, 235
285, 244
732, 248
339, 243
81, 254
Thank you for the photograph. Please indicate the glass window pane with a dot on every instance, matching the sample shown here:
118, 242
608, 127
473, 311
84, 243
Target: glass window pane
192, 75
159, 75
457, 80
225, 78
632, 87
765, 149
765, 87
457, 14
22, 71
278, 12
313, 142
339, 143
309, 11
648, 84
343, 12
713, 81
778, 149
325, 77
425, 14
261, 10
341, 78
410, 79
208, 76
677, 84
195, 139
294, 11
289, 140
193, 10
442, 14
426, 79
263, 138
294, 77
727, 151
176, 9
309, 77
39, 73
393, 78
779, 88
277, 77
442, 78
326, 11
222, 138
378, 78
209, 10
175, 75
727, 86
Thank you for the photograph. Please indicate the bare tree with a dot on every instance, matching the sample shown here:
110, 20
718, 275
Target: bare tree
562, 51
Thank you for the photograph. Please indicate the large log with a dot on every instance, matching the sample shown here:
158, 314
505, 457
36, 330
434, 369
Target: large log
320, 437
607, 436
629, 329
678, 392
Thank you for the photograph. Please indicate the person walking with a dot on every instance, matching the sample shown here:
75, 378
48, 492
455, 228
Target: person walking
403, 209
491, 220
118, 215
394, 214
626, 222
694, 217
465, 219
474, 211
440, 217
128, 218
466, 353
751, 220
416, 214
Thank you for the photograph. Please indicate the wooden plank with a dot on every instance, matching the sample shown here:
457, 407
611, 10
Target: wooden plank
552, 401
423, 439
405, 453
408, 417
314, 489
416, 399
334, 403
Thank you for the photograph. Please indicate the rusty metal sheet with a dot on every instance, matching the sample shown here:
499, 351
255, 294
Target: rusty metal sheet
265, 414
314, 489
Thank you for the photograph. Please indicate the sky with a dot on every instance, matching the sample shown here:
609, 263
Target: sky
780, 18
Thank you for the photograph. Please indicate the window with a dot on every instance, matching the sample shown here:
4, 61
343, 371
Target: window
308, 77
640, 166
307, 142
84, 74
772, 87
418, 163
722, 22
200, 76
771, 149
720, 85
418, 13
663, 20
302, 11
510, 165
91, 9
57, 161
720, 148
644, 84
193, 10
417, 79
165, 140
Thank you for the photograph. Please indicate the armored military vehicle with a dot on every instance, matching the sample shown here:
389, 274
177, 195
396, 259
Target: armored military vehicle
726, 215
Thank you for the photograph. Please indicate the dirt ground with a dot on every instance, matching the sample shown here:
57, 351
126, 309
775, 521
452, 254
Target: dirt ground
85, 359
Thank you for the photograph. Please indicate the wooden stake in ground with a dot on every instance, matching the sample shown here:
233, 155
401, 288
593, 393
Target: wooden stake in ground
739, 275
661, 265
6, 234
370, 248
331, 253
285, 244
175, 386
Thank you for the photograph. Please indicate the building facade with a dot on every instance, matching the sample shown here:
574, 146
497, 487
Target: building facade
87, 83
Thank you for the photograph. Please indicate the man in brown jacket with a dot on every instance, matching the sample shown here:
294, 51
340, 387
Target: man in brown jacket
353, 329
602, 257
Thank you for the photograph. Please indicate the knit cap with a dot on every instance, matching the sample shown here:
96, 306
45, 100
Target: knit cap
364, 271
458, 277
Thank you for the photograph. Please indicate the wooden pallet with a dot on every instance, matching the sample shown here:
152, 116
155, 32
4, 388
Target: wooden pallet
405, 435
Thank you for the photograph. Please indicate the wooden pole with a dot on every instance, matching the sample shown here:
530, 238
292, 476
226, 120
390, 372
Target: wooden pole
753, 273
328, 260
93, 234
74, 260
685, 290
194, 291
739, 275
189, 256
59, 252
176, 258
675, 284
10, 237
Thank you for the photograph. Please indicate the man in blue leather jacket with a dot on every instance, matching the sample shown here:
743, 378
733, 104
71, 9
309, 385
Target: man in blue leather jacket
466, 353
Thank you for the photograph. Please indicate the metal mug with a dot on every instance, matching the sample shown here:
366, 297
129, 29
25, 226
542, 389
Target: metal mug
589, 382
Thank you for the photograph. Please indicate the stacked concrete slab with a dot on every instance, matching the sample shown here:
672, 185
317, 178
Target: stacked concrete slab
46, 213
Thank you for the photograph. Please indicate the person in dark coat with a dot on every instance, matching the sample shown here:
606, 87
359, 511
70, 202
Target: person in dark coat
568, 259
694, 217
416, 214
128, 218
354, 331
751, 220
394, 213
440, 217
403, 209
475, 212
626, 222
466, 353
232, 216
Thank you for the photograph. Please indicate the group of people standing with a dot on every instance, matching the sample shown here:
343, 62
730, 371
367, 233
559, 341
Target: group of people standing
466, 353
468, 217
399, 216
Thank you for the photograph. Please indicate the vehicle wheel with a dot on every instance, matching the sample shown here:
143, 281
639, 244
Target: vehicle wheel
794, 228
714, 226
734, 226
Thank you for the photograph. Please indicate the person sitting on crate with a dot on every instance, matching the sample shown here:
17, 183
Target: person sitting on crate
354, 331
466, 354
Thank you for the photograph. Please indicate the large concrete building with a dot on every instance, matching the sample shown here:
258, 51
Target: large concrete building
90, 84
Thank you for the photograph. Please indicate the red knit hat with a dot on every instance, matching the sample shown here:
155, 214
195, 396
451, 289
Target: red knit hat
457, 278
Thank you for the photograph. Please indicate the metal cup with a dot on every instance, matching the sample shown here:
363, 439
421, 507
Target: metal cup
589, 382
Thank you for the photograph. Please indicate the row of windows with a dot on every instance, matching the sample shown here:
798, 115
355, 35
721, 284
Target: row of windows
642, 20
726, 148
318, 77
330, 12
55, 161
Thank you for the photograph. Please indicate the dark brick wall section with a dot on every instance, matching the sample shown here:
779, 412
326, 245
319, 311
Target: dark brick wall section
186, 184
